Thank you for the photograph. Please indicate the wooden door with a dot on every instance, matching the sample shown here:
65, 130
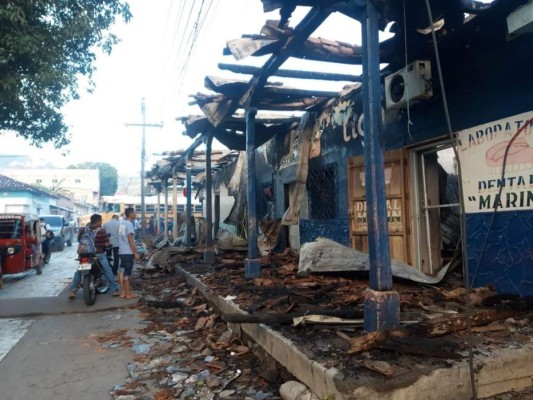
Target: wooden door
398, 211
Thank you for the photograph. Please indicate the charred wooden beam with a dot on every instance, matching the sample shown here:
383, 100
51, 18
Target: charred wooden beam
446, 325
309, 24
431, 328
196, 125
235, 140
233, 88
313, 50
286, 73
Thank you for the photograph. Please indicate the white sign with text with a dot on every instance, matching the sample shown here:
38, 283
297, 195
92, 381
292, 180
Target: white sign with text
497, 164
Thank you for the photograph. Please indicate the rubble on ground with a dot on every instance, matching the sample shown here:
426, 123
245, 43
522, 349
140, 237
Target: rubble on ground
186, 351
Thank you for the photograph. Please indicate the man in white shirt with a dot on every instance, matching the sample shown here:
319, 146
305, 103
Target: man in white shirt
127, 251
111, 228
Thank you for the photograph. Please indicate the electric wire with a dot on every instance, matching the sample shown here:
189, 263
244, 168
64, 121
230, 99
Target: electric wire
200, 20
453, 140
170, 61
409, 122
179, 31
175, 35
196, 31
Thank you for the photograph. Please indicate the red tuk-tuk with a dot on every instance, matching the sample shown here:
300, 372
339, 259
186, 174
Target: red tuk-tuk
20, 244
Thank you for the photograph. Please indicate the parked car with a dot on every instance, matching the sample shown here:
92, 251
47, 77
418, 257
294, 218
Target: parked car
63, 231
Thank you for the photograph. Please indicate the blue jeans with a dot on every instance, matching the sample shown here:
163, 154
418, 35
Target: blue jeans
104, 262
76, 280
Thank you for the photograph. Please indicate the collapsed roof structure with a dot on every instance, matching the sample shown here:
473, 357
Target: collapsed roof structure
420, 27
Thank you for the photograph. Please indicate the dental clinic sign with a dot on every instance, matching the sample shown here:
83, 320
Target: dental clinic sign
482, 151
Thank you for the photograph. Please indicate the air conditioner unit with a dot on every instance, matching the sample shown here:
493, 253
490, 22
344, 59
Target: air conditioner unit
411, 83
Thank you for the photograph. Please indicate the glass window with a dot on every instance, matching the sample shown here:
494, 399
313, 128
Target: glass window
10, 229
437, 208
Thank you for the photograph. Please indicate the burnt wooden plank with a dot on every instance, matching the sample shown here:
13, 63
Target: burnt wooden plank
449, 324
287, 73
271, 91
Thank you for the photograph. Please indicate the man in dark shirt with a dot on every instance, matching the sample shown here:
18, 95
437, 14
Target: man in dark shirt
101, 241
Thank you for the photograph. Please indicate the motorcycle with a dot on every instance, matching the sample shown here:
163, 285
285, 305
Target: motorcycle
93, 280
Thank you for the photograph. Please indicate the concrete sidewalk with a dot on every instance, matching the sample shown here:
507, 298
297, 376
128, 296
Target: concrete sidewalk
60, 357
40, 306
497, 370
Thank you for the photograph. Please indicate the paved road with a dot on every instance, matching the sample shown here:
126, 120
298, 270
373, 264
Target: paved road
56, 276
48, 346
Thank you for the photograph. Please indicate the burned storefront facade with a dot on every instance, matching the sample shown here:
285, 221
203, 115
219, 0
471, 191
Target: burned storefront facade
486, 78
491, 113
310, 171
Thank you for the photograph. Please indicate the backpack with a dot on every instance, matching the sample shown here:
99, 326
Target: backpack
86, 241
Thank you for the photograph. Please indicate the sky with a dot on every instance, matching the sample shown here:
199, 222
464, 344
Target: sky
155, 61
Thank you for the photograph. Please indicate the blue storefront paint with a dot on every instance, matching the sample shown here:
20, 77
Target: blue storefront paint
487, 78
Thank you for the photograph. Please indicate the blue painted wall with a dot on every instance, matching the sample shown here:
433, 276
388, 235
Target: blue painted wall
500, 251
487, 78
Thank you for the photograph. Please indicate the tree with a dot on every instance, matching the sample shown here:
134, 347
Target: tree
108, 176
46, 47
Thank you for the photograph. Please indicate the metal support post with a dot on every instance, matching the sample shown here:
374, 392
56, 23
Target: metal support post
209, 254
174, 206
188, 238
252, 265
143, 161
382, 304
165, 223
217, 211
158, 211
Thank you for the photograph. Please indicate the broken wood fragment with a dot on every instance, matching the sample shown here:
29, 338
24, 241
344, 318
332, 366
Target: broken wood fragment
430, 328
367, 342
449, 324
325, 319
275, 318
382, 367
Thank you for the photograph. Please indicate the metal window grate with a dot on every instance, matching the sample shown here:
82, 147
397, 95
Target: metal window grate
322, 192
266, 201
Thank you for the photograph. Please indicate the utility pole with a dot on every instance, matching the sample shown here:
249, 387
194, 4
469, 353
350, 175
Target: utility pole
144, 125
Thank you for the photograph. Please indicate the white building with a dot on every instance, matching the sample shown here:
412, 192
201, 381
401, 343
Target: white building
82, 185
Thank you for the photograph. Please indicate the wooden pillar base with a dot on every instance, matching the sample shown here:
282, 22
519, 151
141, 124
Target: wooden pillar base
382, 310
252, 268
209, 257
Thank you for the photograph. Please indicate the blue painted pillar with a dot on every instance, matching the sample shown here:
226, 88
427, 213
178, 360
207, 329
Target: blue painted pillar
382, 304
188, 217
252, 265
209, 254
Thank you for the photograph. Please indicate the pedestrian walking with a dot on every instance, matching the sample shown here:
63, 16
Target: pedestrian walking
127, 251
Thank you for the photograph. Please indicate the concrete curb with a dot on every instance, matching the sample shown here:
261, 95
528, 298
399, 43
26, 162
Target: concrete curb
500, 371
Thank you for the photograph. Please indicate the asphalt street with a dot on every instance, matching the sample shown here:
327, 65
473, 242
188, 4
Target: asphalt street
48, 343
